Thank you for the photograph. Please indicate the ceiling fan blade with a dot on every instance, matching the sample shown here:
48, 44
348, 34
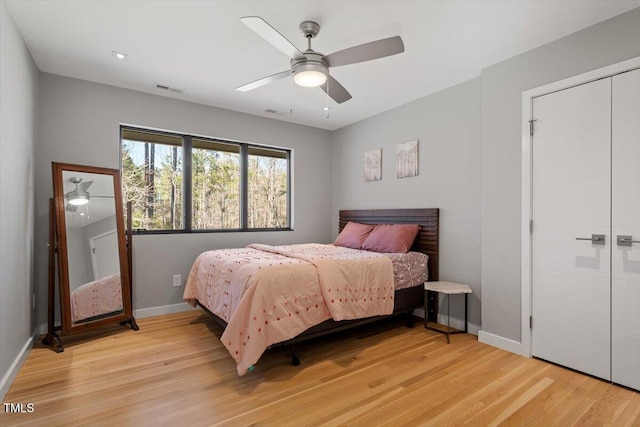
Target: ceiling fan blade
270, 34
335, 90
264, 81
366, 52
83, 186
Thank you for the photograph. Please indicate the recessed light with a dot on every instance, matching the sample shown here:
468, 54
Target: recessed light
118, 55
326, 108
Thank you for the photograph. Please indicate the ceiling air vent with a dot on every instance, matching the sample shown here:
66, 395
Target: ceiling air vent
276, 112
169, 88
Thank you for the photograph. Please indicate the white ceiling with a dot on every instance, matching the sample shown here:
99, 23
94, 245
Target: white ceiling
202, 47
101, 203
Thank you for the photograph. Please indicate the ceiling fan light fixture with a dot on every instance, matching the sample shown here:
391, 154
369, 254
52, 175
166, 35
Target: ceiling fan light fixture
77, 199
310, 75
78, 196
311, 68
119, 55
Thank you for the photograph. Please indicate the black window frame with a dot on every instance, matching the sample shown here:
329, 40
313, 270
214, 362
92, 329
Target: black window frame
187, 211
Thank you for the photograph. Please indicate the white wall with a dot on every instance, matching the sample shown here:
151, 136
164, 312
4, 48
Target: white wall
79, 123
448, 127
603, 44
18, 88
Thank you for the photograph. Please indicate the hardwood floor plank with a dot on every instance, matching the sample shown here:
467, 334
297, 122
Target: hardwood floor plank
175, 371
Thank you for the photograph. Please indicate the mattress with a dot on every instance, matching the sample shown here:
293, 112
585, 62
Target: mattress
409, 269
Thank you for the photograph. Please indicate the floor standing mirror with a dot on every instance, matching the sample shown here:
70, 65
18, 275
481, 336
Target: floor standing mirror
92, 250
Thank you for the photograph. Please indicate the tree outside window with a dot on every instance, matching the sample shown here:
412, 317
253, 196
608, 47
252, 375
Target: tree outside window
153, 166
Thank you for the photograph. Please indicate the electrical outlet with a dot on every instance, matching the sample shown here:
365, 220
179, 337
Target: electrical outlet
177, 280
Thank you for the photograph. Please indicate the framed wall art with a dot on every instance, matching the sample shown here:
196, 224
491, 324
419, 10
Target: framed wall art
407, 159
373, 165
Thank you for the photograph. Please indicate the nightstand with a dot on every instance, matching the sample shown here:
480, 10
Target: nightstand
447, 288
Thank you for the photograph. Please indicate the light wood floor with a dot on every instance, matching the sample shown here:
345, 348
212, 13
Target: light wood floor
174, 371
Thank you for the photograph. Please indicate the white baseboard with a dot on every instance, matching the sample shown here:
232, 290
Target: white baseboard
163, 309
142, 313
501, 342
8, 378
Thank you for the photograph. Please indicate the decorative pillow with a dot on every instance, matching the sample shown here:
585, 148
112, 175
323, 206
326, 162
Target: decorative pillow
391, 238
353, 235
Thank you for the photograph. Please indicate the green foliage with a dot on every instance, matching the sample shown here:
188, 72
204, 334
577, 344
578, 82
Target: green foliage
155, 186
267, 192
216, 190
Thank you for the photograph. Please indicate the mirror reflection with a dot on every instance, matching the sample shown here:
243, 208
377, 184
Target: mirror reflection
92, 246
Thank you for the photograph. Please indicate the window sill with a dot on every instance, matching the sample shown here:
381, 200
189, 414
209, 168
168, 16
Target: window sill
139, 232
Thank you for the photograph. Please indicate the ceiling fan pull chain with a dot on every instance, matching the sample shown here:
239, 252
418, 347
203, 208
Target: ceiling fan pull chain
326, 107
291, 99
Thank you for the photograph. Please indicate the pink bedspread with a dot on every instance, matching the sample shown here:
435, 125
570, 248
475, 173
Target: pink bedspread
269, 294
95, 298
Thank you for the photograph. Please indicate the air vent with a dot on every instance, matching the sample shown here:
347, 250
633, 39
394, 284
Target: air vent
169, 88
276, 112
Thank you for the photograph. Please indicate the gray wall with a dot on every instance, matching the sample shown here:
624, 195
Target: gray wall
79, 251
448, 127
78, 259
79, 123
18, 89
469, 168
470, 154
88, 232
603, 44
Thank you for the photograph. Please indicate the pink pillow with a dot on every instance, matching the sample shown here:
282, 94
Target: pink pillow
391, 238
353, 235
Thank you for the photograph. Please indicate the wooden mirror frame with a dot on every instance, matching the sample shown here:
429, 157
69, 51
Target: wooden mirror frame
67, 325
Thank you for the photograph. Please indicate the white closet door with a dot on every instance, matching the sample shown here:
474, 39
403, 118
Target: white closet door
104, 254
625, 221
571, 199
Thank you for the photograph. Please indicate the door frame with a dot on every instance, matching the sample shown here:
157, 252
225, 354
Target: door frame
527, 181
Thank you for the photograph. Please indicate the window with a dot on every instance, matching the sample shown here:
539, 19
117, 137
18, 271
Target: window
215, 178
186, 183
267, 188
151, 166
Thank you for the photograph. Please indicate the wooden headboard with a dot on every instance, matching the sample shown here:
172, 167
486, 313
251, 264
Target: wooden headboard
427, 239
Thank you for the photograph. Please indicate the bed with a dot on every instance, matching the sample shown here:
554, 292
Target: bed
94, 300
281, 295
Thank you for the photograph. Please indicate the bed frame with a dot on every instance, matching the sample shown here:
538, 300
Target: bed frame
406, 300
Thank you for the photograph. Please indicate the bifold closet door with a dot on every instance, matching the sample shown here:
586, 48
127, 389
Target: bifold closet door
571, 152
625, 221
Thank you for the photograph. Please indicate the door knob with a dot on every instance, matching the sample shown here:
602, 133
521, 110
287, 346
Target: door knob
625, 240
596, 239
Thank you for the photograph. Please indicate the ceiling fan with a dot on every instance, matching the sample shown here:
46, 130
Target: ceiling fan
78, 196
311, 68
